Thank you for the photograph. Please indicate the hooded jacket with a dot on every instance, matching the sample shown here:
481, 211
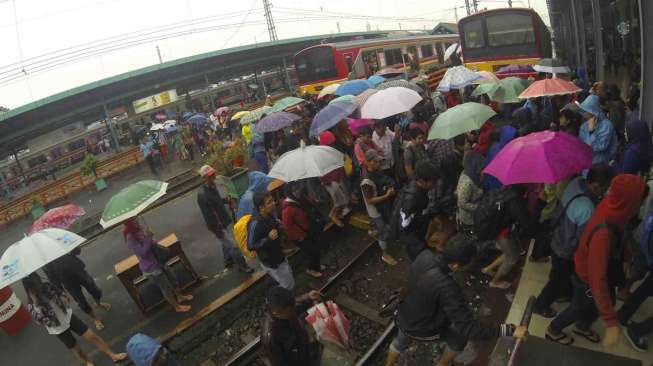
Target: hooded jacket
433, 302
638, 151
603, 139
143, 349
258, 182
295, 220
593, 258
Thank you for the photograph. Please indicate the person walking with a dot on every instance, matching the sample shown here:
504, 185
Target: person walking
578, 202
264, 238
147, 148
70, 273
142, 244
217, 219
49, 306
598, 265
597, 131
434, 308
469, 189
385, 139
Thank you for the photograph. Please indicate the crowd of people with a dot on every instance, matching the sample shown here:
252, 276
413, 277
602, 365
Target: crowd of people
429, 201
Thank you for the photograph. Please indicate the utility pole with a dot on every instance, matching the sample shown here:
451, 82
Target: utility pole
158, 52
399, 26
455, 11
529, 3
469, 9
338, 25
475, 6
510, 3
268, 17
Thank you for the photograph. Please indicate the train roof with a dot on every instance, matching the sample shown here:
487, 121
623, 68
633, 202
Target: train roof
499, 10
382, 40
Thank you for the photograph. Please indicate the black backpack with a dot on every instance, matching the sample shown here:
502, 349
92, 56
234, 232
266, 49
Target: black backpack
490, 215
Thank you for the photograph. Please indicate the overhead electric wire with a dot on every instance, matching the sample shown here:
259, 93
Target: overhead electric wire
241, 24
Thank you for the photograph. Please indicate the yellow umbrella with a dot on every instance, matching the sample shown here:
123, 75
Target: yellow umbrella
239, 115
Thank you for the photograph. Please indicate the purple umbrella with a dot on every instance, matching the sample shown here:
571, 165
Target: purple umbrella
276, 121
356, 123
197, 119
540, 157
330, 115
516, 70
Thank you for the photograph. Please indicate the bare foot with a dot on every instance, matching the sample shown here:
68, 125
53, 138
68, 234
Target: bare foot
314, 274
336, 220
489, 272
90, 364
182, 308
119, 357
98, 324
387, 258
104, 306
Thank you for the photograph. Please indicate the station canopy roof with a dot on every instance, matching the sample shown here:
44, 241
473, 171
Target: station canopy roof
87, 102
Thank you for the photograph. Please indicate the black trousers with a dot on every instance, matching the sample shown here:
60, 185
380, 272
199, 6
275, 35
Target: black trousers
559, 284
74, 287
636, 299
150, 162
191, 151
581, 311
311, 250
642, 329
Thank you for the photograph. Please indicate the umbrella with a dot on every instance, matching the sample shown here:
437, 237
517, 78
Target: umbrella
157, 127
197, 119
276, 121
255, 115
35, 251
329, 89
306, 162
541, 157
457, 77
239, 115
516, 70
329, 116
508, 90
388, 102
376, 79
361, 98
130, 201
389, 72
344, 98
286, 102
551, 66
221, 110
450, 51
186, 115
353, 87
399, 83
548, 87
356, 123
486, 77
460, 119
61, 217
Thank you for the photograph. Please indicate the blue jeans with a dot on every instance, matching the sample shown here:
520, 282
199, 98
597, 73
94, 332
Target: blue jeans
230, 252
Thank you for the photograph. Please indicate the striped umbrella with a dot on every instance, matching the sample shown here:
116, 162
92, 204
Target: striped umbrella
361, 98
286, 102
399, 83
255, 115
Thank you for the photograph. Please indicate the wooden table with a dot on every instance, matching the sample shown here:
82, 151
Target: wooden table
131, 276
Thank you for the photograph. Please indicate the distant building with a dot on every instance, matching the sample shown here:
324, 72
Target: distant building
445, 28
3, 109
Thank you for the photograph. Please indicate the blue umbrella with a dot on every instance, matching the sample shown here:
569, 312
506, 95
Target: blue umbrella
376, 79
276, 121
186, 115
197, 119
353, 87
330, 115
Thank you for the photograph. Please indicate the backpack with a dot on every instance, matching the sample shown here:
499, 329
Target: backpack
646, 241
490, 215
241, 229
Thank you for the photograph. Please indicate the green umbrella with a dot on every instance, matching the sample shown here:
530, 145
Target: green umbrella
509, 90
286, 102
255, 115
344, 98
485, 88
130, 201
460, 119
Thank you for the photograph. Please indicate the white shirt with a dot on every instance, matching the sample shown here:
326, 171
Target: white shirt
385, 143
64, 319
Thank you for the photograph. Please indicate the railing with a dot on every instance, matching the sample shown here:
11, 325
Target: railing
66, 185
435, 77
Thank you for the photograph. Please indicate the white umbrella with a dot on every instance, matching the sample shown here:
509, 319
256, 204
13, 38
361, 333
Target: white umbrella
157, 127
388, 102
306, 162
329, 89
457, 77
35, 251
450, 51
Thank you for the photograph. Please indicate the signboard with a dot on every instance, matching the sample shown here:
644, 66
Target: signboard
154, 101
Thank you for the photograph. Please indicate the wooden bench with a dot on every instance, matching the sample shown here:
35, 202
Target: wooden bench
131, 276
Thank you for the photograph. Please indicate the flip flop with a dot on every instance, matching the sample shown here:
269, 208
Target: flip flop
562, 339
590, 335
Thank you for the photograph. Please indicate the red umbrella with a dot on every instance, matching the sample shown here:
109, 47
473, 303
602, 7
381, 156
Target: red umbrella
548, 87
61, 217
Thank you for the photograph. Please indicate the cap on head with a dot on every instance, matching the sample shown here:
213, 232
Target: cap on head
327, 138
206, 171
459, 250
373, 155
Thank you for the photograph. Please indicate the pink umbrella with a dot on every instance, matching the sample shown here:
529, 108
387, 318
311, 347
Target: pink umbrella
62, 217
220, 111
549, 87
541, 157
354, 124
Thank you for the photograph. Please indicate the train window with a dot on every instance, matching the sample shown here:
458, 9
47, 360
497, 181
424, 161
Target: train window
440, 50
427, 50
393, 57
316, 64
510, 29
349, 61
473, 31
77, 144
36, 161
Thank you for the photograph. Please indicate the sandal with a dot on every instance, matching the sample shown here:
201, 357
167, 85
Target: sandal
562, 339
590, 335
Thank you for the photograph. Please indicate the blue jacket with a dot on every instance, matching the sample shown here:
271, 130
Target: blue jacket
603, 140
258, 182
571, 225
508, 133
638, 153
142, 350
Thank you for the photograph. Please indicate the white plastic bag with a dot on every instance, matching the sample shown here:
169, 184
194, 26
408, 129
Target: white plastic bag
330, 323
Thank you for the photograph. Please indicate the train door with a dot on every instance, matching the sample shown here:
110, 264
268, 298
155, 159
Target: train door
370, 61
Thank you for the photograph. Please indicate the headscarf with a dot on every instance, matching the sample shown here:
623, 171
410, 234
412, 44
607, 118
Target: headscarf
131, 227
473, 164
638, 153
